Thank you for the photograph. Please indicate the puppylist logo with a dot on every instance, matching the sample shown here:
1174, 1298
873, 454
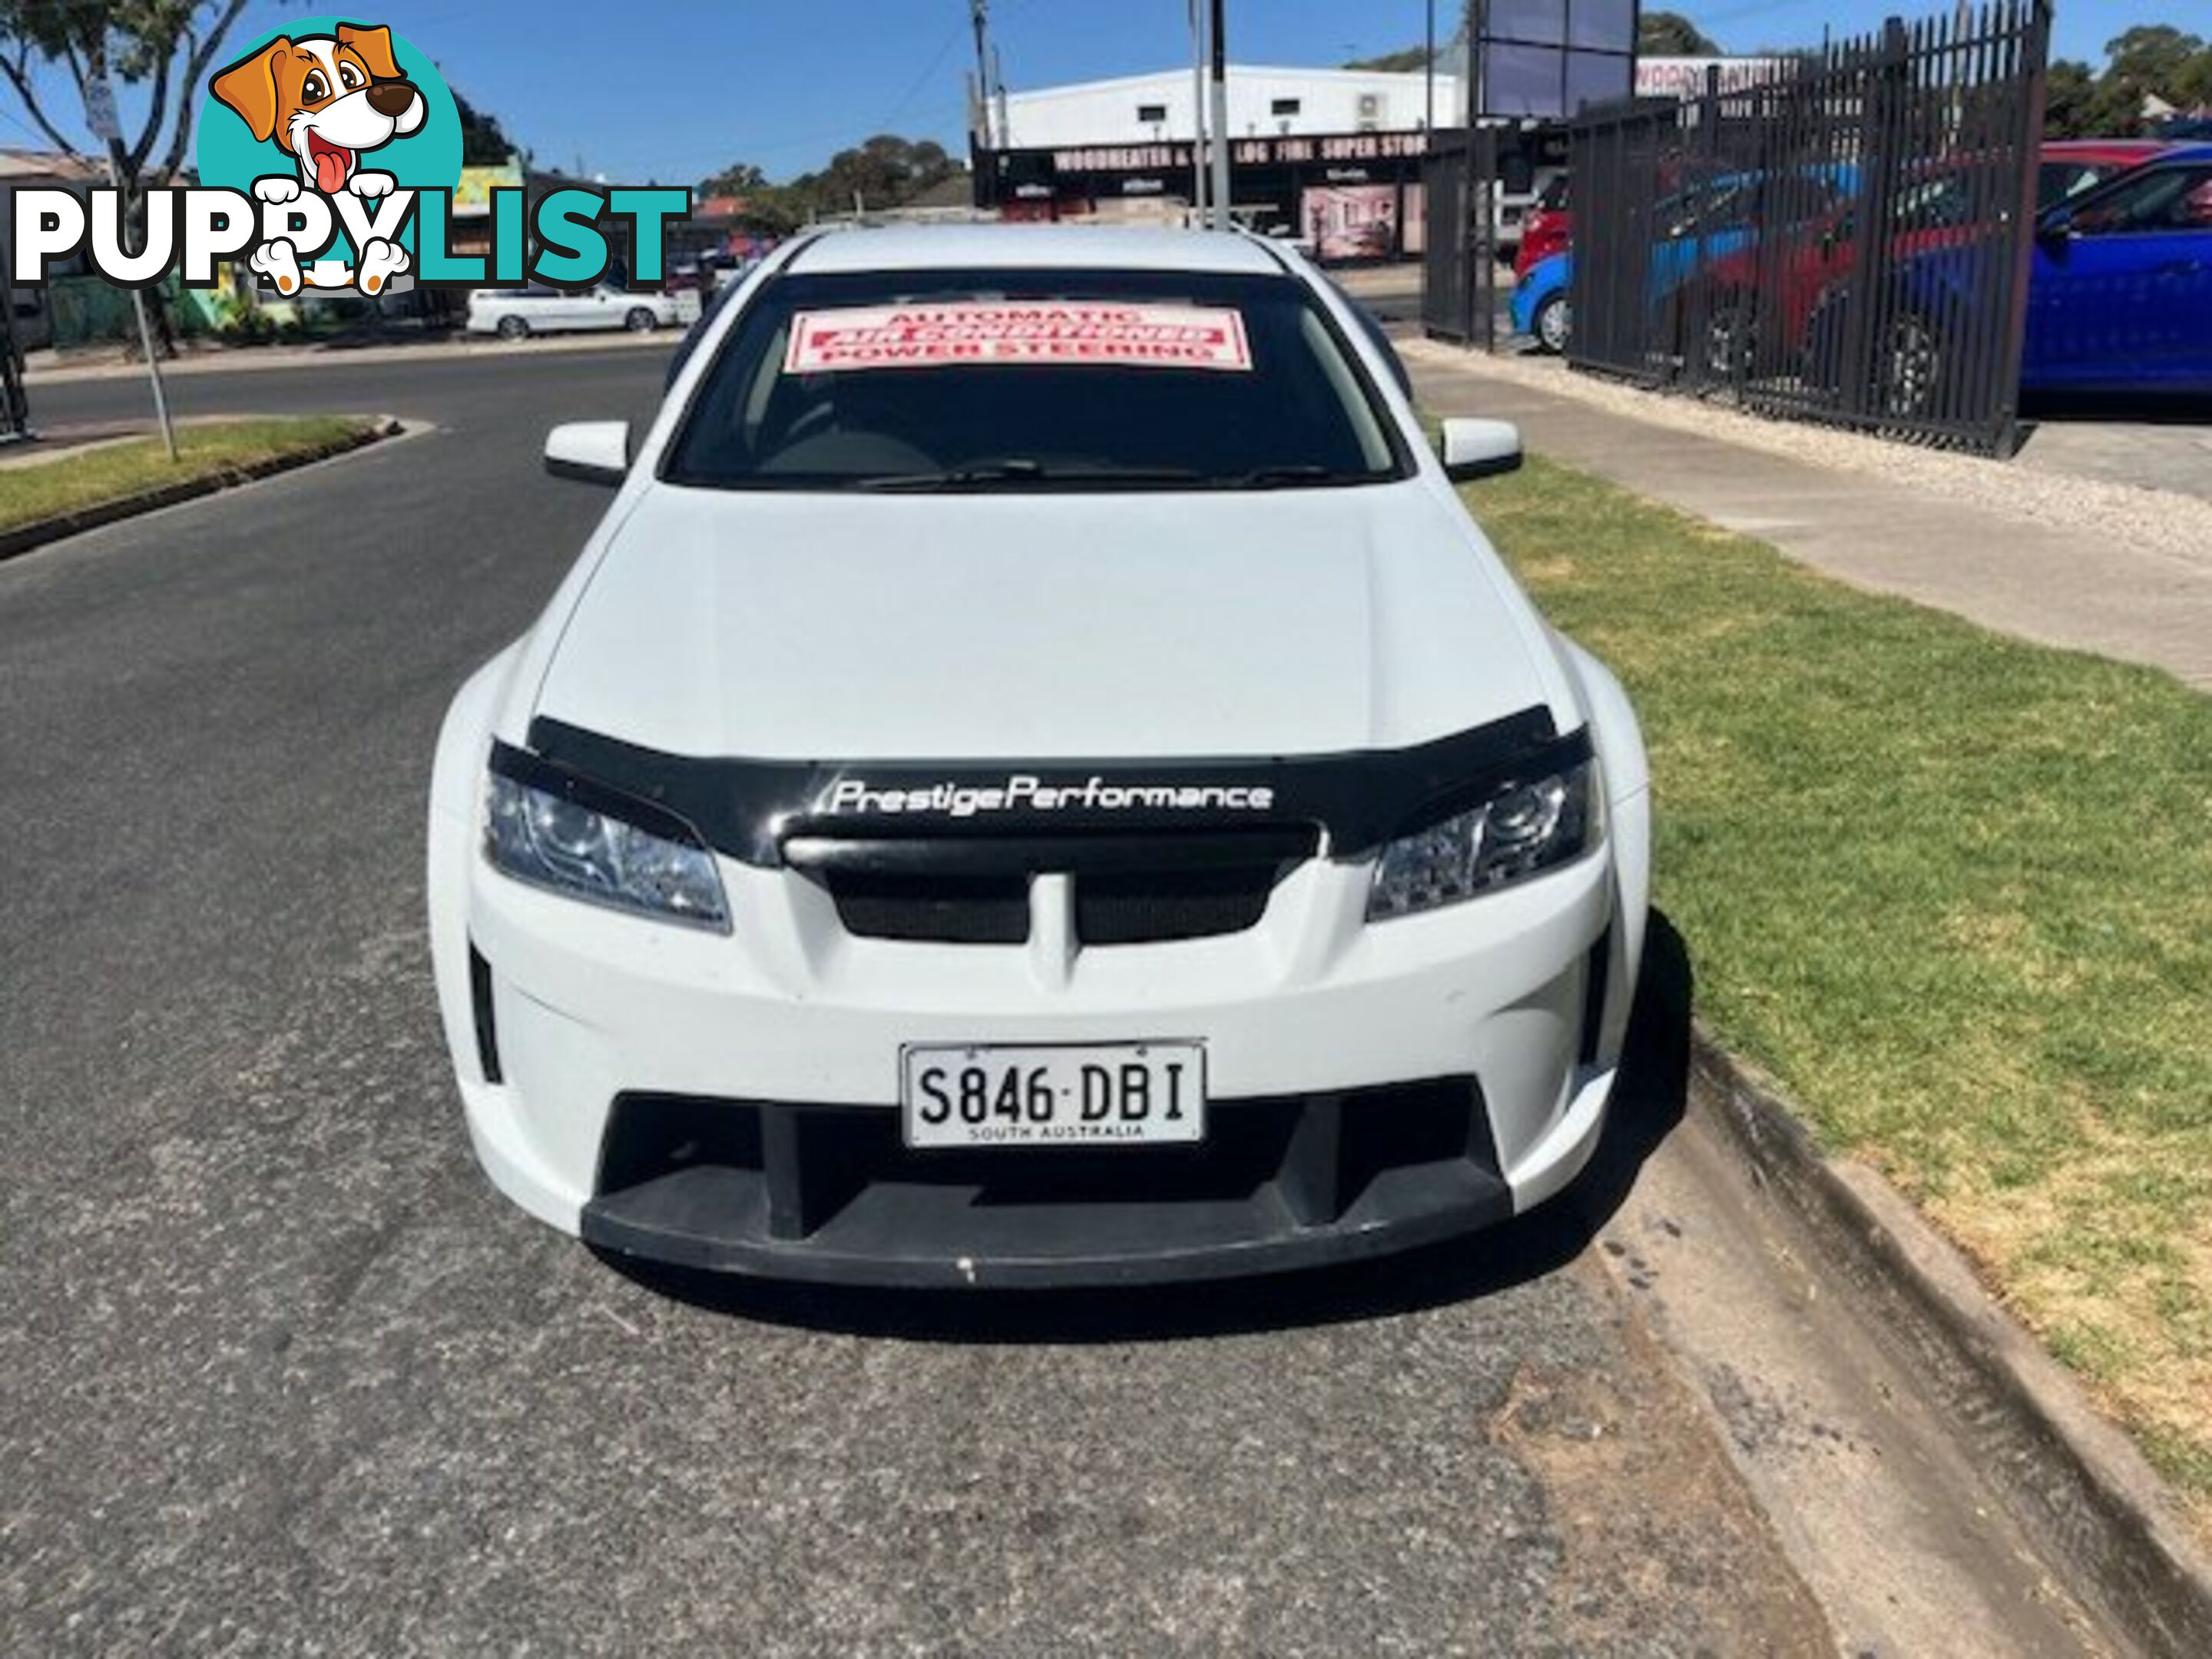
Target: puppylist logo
328, 155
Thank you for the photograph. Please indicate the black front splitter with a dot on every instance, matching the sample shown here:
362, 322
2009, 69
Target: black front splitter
715, 1220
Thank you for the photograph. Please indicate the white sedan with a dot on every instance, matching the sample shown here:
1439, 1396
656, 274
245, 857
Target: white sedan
514, 314
1037, 779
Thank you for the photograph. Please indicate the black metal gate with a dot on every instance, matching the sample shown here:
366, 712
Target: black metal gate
1447, 256
1849, 241
1459, 258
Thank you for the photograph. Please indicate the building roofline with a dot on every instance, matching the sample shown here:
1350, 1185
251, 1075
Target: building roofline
1181, 77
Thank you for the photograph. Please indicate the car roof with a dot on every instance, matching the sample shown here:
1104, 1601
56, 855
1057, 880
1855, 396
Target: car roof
1078, 247
2116, 149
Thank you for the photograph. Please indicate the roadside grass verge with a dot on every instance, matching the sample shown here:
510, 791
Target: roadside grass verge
68, 484
1953, 891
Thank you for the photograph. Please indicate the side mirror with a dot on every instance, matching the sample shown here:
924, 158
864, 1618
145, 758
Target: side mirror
2056, 226
590, 451
1479, 449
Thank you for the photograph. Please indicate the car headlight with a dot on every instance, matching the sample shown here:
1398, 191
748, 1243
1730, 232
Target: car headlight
560, 832
1518, 832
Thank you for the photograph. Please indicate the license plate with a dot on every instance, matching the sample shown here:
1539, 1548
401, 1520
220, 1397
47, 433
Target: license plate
1053, 1094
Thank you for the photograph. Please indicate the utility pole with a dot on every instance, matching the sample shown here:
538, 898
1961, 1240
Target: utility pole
1482, 185
1220, 44
99, 116
1429, 65
979, 15
1197, 9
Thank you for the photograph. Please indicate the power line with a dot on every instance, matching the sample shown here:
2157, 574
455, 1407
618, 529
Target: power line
936, 58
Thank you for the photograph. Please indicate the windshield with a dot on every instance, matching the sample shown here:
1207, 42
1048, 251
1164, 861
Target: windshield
1034, 379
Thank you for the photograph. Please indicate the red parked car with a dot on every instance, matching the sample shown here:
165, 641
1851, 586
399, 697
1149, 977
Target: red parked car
2071, 165
1549, 227
1936, 209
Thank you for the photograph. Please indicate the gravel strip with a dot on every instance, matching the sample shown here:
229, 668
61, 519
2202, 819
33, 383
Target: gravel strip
2158, 521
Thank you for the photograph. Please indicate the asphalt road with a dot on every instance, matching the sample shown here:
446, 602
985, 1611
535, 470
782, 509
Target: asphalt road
279, 1370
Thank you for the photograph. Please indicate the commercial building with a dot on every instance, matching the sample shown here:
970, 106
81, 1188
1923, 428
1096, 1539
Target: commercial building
1331, 155
1263, 102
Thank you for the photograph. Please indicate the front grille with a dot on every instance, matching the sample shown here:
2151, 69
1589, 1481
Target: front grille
1129, 889
1145, 907
943, 909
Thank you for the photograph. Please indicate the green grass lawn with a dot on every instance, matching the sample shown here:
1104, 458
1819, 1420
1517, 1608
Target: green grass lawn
71, 483
1954, 893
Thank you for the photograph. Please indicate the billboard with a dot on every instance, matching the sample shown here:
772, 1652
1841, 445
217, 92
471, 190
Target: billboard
1350, 221
1547, 58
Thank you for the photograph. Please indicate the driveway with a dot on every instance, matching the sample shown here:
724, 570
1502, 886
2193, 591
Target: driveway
2155, 443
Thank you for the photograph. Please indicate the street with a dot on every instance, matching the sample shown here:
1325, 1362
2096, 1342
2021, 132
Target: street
279, 1369
280, 1366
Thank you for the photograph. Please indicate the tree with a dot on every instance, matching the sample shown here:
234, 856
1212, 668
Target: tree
738, 179
775, 210
1670, 34
1402, 62
2154, 58
164, 45
2194, 82
484, 142
882, 172
885, 171
2148, 60
2070, 98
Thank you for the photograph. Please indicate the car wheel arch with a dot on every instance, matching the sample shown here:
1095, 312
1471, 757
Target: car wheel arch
1617, 739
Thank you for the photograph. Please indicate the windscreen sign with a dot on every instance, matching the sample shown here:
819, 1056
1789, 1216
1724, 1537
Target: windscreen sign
328, 157
1058, 331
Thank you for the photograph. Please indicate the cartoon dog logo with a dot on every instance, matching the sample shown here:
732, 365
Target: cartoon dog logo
326, 100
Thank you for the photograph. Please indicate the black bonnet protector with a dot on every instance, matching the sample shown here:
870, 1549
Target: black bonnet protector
748, 809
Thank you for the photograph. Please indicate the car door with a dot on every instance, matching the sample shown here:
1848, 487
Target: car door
575, 309
2121, 293
541, 308
602, 308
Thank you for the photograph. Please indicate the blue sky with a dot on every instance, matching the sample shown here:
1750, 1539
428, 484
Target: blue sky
673, 90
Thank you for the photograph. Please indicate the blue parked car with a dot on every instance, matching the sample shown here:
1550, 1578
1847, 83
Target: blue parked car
1704, 223
1540, 304
2120, 299
2119, 295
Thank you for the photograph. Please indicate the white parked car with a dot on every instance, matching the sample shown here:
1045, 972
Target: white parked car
1037, 778
514, 314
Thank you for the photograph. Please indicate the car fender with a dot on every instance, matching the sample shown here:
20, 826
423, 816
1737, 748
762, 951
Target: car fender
1547, 277
1625, 769
456, 783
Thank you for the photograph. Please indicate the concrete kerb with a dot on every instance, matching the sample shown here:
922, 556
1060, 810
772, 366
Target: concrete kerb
25, 538
2075, 1481
232, 360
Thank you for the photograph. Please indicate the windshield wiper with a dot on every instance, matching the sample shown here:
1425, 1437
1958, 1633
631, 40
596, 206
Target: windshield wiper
1021, 471
1279, 478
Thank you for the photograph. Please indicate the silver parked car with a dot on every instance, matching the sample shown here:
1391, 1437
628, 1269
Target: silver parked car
515, 313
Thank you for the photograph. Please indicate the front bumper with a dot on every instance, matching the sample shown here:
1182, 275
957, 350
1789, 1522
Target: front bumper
1373, 1087
1522, 307
830, 1193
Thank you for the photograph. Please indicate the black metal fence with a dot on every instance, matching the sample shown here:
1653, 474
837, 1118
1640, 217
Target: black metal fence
1454, 248
1462, 178
1848, 242
14, 409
